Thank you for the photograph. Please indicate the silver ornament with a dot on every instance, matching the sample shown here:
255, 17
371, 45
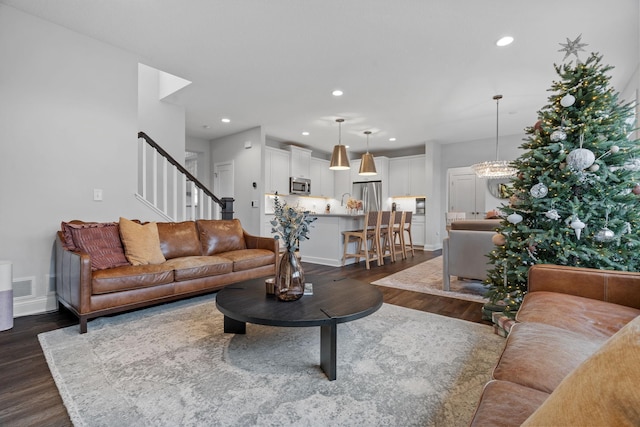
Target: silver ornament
514, 218
558, 135
580, 159
577, 226
568, 100
552, 214
539, 190
604, 235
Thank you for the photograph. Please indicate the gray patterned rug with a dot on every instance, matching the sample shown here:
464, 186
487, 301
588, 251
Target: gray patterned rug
173, 366
426, 277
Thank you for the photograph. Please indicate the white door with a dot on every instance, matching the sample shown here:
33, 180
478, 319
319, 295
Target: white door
466, 194
222, 183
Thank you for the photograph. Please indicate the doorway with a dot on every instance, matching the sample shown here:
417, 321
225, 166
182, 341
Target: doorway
222, 183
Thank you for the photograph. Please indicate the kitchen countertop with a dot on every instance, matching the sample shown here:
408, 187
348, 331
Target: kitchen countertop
337, 214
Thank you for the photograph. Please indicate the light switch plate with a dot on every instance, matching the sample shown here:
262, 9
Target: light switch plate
97, 194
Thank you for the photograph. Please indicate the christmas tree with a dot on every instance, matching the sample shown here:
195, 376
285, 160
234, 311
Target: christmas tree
575, 198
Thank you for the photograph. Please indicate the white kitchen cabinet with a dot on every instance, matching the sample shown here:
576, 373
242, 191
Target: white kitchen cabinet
418, 229
321, 178
276, 171
407, 176
300, 162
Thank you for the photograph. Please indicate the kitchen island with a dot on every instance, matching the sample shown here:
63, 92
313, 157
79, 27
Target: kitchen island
325, 244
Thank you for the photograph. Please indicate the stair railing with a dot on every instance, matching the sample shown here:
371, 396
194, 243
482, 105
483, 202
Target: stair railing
171, 190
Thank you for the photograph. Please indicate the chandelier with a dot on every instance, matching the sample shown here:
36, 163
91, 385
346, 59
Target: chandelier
496, 168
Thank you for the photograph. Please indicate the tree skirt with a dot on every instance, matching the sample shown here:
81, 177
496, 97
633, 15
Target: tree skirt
426, 277
173, 365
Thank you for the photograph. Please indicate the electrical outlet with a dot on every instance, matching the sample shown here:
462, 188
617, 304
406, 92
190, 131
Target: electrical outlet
254, 204
97, 194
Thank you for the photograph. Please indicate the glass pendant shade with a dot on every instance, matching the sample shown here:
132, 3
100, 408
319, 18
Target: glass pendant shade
495, 168
367, 164
339, 159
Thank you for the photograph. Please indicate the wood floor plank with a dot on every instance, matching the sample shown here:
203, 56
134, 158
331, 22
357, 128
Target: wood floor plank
28, 394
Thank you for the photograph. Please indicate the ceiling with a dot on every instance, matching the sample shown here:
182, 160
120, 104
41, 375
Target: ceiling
416, 70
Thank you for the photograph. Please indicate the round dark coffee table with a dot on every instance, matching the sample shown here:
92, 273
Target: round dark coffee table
332, 302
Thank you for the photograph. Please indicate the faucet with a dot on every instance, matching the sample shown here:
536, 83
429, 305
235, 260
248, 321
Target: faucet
342, 198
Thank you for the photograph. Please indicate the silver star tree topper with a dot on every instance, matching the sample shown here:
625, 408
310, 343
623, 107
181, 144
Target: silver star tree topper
572, 47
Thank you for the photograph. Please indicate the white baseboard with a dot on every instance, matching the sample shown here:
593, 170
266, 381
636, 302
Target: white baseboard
35, 305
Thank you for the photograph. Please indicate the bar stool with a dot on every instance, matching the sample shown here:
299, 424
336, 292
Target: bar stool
362, 237
407, 232
398, 234
385, 235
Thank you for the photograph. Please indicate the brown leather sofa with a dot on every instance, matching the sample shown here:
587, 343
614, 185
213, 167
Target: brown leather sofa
573, 355
201, 256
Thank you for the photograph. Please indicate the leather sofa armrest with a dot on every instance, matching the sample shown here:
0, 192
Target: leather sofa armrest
618, 287
258, 242
73, 277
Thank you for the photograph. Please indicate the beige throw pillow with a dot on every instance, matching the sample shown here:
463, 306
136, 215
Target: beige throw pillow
141, 242
602, 391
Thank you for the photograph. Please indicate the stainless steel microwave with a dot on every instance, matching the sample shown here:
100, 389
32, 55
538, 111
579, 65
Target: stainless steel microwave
299, 186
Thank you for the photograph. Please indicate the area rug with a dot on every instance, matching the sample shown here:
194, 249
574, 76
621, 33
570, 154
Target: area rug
426, 277
172, 365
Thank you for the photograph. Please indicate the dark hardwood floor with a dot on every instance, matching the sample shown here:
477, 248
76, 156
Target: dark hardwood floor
28, 394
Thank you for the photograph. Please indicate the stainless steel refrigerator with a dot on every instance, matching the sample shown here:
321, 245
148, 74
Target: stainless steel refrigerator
370, 192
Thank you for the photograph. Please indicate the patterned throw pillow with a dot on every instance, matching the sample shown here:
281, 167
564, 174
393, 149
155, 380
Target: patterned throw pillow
101, 241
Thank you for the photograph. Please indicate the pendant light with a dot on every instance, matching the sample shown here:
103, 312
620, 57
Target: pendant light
496, 168
339, 159
367, 164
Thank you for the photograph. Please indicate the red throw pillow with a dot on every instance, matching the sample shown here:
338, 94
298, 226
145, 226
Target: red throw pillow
100, 240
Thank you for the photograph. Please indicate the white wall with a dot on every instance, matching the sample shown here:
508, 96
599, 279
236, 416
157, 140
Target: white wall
162, 121
247, 170
435, 188
203, 148
68, 124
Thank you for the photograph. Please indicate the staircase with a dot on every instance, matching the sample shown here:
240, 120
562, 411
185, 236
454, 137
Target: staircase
166, 187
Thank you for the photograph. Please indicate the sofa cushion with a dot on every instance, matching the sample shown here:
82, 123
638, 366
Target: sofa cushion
601, 391
590, 317
539, 356
101, 241
217, 236
130, 277
194, 267
141, 242
247, 259
506, 404
178, 239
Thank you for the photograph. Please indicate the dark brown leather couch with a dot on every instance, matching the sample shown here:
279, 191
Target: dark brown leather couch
201, 256
567, 316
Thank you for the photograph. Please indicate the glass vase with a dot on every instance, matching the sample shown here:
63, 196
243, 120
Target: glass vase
289, 284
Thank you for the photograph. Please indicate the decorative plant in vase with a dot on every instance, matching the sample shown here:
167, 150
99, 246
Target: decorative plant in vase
291, 225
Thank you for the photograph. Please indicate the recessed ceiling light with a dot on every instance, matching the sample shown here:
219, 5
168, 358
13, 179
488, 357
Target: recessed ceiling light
504, 41
337, 92
392, 139
225, 120
346, 146
305, 133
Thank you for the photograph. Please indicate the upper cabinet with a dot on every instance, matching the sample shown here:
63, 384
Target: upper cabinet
276, 171
321, 178
382, 168
407, 176
300, 164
